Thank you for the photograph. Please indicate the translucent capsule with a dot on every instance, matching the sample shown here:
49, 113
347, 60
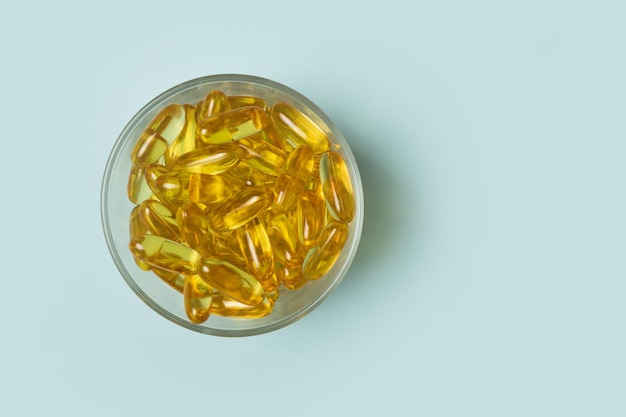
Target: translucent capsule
270, 135
174, 279
298, 129
256, 248
213, 159
222, 305
231, 281
291, 278
310, 218
336, 186
288, 191
164, 253
186, 141
137, 189
169, 122
148, 149
232, 125
241, 208
243, 175
321, 258
214, 102
284, 241
300, 163
158, 220
135, 224
197, 297
236, 102
262, 155
179, 187
194, 226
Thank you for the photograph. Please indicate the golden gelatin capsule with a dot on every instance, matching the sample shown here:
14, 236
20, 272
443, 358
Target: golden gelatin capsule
222, 305
136, 226
310, 218
284, 241
300, 163
165, 253
148, 149
236, 102
214, 102
158, 220
243, 175
232, 125
213, 159
137, 189
231, 281
241, 208
291, 278
289, 191
262, 155
321, 258
174, 279
194, 226
186, 141
204, 188
256, 248
337, 186
197, 297
169, 122
297, 128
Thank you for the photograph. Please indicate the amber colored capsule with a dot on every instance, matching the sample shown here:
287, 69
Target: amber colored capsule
321, 258
297, 128
213, 159
222, 305
179, 187
300, 163
291, 278
197, 297
165, 253
337, 186
158, 220
284, 241
186, 141
214, 102
193, 223
174, 279
135, 224
288, 191
310, 218
256, 248
262, 155
241, 208
236, 102
231, 281
232, 125
137, 189
148, 149
169, 122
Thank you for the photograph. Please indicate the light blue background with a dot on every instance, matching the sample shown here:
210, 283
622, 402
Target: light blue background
490, 280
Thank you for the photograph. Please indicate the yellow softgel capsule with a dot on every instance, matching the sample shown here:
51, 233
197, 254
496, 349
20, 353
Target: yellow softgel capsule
169, 122
236, 102
222, 305
256, 248
284, 241
148, 149
194, 226
241, 208
231, 281
212, 159
232, 125
300, 163
186, 141
262, 155
288, 190
297, 128
136, 228
179, 187
337, 186
165, 253
197, 297
310, 218
321, 258
158, 220
137, 189
214, 102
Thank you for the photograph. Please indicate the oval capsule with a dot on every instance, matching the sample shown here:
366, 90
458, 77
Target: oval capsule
169, 122
231, 281
262, 155
214, 102
222, 305
310, 218
212, 160
284, 241
158, 220
137, 189
297, 128
165, 253
300, 163
186, 141
179, 187
231, 125
321, 258
194, 226
241, 208
256, 248
149, 148
337, 186
197, 297
288, 191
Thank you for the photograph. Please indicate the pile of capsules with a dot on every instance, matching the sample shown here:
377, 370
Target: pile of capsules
236, 200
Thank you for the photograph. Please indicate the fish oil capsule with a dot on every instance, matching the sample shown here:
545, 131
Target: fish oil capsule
232, 125
256, 248
231, 281
270, 135
291, 278
149, 148
300, 163
222, 305
174, 279
214, 102
262, 155
310, 218
298, 129
165, 253
336, 186
197, 297
179, 187
243, 175
169, 122
213, 159
186, 141
321, 258
284, 241
241, 208
236, 102
194, 226
158, 220
288, 191
137, 189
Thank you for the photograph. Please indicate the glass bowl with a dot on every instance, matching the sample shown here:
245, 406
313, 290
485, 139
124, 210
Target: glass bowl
116, 208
